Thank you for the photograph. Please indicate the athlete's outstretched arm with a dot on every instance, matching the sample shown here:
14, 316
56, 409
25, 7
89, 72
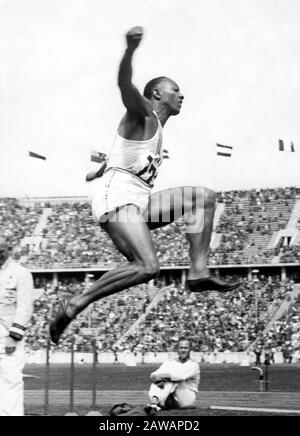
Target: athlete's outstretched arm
134, 102
95, 174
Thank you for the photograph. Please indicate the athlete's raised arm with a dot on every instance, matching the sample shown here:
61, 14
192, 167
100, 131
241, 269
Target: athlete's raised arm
134, 102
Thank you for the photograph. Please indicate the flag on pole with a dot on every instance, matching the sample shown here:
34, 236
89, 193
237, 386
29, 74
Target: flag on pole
98, 157
36, 155
224, 150
281, 145
165, 154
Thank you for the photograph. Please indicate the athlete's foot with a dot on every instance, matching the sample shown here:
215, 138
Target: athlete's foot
152, 409
210, 283
60, 322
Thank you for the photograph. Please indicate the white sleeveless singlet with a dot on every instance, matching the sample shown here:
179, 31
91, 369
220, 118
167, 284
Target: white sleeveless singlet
131, 170
140, 158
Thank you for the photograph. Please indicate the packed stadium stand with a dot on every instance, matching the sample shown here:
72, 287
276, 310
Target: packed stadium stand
18, 222
215, 322
110, 318
58, 240
254, 228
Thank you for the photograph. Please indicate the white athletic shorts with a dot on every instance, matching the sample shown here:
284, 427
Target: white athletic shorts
184, 397
117, 188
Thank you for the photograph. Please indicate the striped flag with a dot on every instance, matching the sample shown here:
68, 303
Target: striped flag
165, 154
36, 155
224, 150
98, 157
281, 145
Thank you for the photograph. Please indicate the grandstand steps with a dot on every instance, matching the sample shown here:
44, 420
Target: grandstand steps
260, 243
150, 291
279, 236
279, 313
271, 311
283, 308
267, 218
35, 241
273, 241
218, 213
150, 306
216, 237
215, 240
42, 221
295, 215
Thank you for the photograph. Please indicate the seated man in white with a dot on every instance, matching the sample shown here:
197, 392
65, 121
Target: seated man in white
174, 383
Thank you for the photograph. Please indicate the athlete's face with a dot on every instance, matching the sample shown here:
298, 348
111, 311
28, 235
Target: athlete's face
184, 349
4, 251
171, 96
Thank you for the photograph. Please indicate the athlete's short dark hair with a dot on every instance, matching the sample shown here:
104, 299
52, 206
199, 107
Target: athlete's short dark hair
184, 338
151, 85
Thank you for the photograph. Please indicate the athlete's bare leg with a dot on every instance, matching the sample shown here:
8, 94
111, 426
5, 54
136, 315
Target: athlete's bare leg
197, 204
132, 236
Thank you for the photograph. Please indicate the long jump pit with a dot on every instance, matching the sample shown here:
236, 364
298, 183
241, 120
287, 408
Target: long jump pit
208, 402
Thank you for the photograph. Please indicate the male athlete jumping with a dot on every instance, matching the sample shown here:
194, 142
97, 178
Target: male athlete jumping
124, 205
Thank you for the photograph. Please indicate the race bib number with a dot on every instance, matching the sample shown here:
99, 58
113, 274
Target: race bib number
149, 172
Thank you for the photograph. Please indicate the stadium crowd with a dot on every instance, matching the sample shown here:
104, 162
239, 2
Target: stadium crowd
290, 254
215, 322
106, 320
248, 222
72, 238
57, 234
18, 220
69, 236
284, 333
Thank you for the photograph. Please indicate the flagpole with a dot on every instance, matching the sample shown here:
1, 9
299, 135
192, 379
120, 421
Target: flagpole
53, 170
222, 152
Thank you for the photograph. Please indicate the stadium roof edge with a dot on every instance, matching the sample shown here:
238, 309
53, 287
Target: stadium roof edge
54, 199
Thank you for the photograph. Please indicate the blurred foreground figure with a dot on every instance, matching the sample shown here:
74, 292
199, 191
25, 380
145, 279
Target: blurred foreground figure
16, 307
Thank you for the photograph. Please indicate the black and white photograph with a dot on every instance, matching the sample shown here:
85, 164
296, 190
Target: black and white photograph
149, 211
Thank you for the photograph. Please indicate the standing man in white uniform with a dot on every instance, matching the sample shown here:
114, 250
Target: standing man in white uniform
124, 205
175, 382
16, 307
